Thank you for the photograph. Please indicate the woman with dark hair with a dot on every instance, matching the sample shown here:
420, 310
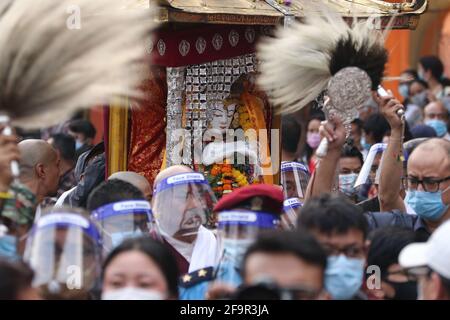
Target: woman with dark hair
312, 141
140, 269
407, 76
431, 70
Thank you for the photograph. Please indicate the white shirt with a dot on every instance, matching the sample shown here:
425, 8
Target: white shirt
60, 201
202, 253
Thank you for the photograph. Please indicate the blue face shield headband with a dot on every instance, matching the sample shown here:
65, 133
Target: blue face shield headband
291, 203
129, 207
258, 219
293, 166
179, 179
67, 220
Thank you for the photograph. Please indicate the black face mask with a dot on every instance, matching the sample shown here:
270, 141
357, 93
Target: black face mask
403, 290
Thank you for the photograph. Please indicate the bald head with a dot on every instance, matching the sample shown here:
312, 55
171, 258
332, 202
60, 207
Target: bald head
136, 180
431, 154
39, 167
435, 143
435, 110
171, 171
34, 152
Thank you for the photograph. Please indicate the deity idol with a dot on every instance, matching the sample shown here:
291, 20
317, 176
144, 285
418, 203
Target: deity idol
231, 156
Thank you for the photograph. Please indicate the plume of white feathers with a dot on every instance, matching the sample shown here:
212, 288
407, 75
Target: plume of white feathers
49, 69
295, 64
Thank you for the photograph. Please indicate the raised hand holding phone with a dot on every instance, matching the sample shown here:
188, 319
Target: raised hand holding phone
383, 93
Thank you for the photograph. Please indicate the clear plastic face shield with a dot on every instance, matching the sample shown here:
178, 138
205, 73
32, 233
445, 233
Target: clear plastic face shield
368, 173
237, 231
64, 251
291, 211
294, 179
122, 220
181, 204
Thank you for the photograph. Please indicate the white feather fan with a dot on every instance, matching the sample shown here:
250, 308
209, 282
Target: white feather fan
295, 65
48, 70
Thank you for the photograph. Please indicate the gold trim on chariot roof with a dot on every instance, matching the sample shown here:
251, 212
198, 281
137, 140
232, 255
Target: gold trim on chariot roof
259, 12
360, 8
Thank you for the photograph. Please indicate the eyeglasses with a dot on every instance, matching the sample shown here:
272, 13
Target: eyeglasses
428, 184
350, 252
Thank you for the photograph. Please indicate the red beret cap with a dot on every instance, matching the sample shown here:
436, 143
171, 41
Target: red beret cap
271, 195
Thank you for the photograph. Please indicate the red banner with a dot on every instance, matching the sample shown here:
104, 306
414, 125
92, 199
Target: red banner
175, 48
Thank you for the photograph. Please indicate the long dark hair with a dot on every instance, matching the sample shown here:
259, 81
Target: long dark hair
308, 151
435, 65
155, 251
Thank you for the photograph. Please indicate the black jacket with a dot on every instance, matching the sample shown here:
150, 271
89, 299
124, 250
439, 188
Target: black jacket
89, 173
398, 219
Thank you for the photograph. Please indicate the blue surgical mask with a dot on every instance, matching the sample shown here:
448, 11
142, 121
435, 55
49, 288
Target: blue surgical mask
118, 237
343, 276
403, 89
364, 144
427, 205
78, 144
347, 183
234, 249
420, 99
233, 253
8, 247
438, 125
420, 76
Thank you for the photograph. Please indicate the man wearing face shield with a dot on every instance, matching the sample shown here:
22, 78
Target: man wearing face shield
369, 175
122, 220
291, 211
120, 211
243, 215
64, 251
294, 180
182, 203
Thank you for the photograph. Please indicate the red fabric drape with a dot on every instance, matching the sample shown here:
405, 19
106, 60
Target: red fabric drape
148, 123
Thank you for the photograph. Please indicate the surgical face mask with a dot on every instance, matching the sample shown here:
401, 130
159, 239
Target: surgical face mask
403, 89
421, 76
427, 205
420, 99
118, 237
234, 249
313, 140
78, 144
347, 183
132, 293
233, 253
439, 126
404, 290
364, 144
343, 276
8, 247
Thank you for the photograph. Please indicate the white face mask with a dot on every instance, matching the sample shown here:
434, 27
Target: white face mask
132, 293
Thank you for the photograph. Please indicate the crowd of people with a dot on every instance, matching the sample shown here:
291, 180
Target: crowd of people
366, 221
